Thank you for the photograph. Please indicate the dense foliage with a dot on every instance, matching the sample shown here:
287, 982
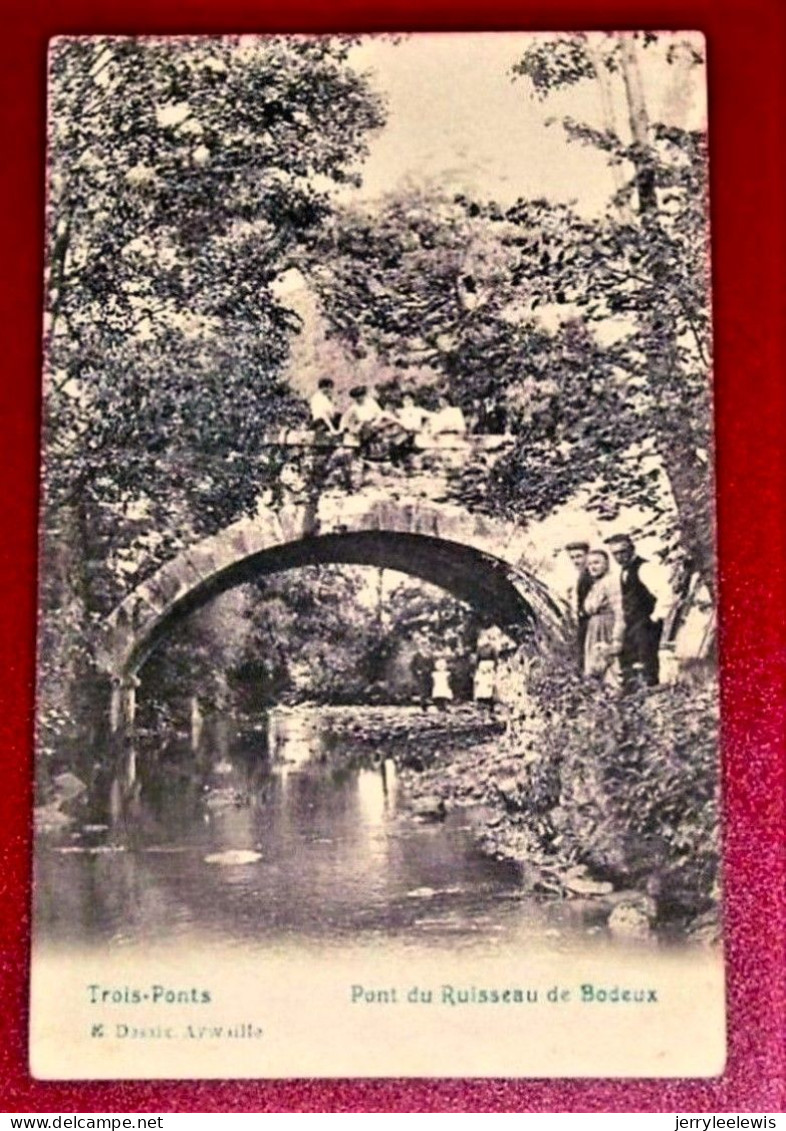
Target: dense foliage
321, 634
630, 785
187, 177
586, 336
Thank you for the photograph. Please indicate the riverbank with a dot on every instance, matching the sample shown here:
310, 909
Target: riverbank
486, 780
416, 737
634, 832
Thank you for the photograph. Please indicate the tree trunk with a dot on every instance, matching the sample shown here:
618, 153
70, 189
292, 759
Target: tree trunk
689, 478
609, 119
692, 487
639, 128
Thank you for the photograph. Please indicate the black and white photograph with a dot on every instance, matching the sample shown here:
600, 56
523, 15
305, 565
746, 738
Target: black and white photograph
377, 705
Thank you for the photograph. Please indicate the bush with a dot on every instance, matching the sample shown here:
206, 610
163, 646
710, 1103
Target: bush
630, 783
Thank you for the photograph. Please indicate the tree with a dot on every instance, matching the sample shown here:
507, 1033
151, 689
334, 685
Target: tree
588, 337
186, 177
652, 265
311, 633
183, 185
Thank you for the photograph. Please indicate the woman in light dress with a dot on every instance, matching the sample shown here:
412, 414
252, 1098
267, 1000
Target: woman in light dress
603, 607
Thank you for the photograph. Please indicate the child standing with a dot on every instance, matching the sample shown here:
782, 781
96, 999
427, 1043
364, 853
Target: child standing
484, 683
441, 691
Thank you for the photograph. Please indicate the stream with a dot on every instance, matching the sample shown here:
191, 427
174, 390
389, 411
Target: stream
285, 834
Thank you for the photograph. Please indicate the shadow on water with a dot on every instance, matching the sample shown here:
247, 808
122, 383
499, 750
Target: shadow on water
268, 836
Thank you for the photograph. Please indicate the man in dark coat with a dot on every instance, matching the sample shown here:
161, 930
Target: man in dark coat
647, 600
577, 552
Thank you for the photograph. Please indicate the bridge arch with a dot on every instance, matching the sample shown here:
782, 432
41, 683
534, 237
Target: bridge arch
492, 565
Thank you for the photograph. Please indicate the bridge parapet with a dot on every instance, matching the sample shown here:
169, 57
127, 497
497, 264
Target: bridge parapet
302, 448
324, 465
444, 442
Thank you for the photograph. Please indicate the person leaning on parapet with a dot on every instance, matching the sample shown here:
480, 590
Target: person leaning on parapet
448, 420
324, 414
647, 600
411, 416
401, 427
363, 414
576, 594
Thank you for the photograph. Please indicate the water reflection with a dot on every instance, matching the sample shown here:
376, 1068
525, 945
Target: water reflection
300, 844
293, 738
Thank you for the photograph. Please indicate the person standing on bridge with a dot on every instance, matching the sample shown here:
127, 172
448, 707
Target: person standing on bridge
376, 427
448, 421
358, 425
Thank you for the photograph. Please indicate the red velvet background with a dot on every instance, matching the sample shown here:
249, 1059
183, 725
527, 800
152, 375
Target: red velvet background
747, 74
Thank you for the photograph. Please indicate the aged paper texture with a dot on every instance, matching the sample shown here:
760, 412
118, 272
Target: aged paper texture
377, 701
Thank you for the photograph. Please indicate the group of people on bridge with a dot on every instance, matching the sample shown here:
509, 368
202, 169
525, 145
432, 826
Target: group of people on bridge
619, 611
384, 426
619, 614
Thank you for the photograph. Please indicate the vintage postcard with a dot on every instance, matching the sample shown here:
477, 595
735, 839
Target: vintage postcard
377, 699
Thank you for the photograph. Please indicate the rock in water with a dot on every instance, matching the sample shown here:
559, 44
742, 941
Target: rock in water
67, 786
633, 920
581, 886
430, 807
48, 818
234, 856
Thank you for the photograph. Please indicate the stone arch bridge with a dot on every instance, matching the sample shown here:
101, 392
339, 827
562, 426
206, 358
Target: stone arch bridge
395, 517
